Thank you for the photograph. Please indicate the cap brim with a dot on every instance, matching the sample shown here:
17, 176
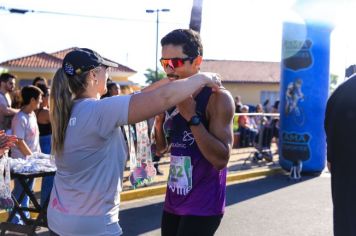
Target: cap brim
110, 63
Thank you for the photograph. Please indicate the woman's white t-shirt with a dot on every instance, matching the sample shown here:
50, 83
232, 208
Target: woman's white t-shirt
86, 192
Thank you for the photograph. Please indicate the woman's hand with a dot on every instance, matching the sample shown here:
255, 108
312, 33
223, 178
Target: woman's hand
212, 80
6, 141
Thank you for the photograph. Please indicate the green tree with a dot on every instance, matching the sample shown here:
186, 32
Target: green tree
151, 76
333, 83
3, 70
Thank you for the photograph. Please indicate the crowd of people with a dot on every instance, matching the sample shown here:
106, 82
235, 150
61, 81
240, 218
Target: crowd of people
29, 122
257, 127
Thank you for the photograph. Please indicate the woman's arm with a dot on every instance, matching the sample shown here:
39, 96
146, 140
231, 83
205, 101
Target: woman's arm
145, 105
8, 111
156, 85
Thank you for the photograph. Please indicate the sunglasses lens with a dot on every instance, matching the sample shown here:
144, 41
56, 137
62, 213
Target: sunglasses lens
165, 62
174, 62
178, 62
168, 62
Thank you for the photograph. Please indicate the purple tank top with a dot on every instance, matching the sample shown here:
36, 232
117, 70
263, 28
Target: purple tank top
194, 186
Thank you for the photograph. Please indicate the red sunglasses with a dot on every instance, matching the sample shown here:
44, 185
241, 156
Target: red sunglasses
175, 62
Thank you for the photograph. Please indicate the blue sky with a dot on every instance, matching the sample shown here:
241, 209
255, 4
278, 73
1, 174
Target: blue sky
231, 29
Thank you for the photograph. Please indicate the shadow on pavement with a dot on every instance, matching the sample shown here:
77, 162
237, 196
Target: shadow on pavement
140, 220
243, 191
250, 164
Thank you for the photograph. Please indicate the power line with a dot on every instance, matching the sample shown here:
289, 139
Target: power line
24, 11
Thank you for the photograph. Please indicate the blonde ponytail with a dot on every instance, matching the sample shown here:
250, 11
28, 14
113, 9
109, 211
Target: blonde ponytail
61, 103
63, 90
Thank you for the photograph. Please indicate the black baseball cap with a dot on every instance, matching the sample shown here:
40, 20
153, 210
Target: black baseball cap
83, 59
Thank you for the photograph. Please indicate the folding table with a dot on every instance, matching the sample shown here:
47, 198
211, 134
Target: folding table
30, 225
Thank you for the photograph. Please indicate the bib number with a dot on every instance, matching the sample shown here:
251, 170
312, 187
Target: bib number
180, 175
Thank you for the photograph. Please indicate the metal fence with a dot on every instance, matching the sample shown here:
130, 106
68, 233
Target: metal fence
254, 133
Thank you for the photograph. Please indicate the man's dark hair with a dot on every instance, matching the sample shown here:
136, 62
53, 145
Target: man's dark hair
110, 85
29, 92
5, 77
189, 39
39, 78
44, 89
109, 81
276, 105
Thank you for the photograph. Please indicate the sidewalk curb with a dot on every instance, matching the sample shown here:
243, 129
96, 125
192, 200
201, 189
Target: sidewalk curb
250, 174
161, 189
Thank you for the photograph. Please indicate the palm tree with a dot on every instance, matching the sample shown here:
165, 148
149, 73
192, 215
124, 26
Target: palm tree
195, 17
151, 76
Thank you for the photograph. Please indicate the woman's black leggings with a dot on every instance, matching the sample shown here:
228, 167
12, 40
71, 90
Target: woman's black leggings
175, 225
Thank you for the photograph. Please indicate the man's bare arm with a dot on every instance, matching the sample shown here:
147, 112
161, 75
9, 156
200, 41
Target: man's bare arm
160, 139
8, 111
215, 143
24, 149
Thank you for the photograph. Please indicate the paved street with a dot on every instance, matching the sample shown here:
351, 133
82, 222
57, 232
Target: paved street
271, 206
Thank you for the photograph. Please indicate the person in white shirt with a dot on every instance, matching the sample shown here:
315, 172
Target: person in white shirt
24, 126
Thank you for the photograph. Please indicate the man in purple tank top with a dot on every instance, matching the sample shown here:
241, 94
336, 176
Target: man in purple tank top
199, 131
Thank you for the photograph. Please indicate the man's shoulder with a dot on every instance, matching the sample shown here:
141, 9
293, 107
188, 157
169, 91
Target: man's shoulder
221, 99
20, 119
21, 116
222, 96
3, 100
343, 91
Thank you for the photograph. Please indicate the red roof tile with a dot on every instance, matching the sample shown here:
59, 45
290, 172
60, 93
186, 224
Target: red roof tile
61, 54
39, 60
244, 71
50, 61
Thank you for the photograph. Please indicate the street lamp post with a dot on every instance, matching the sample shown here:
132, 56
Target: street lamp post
157, 23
